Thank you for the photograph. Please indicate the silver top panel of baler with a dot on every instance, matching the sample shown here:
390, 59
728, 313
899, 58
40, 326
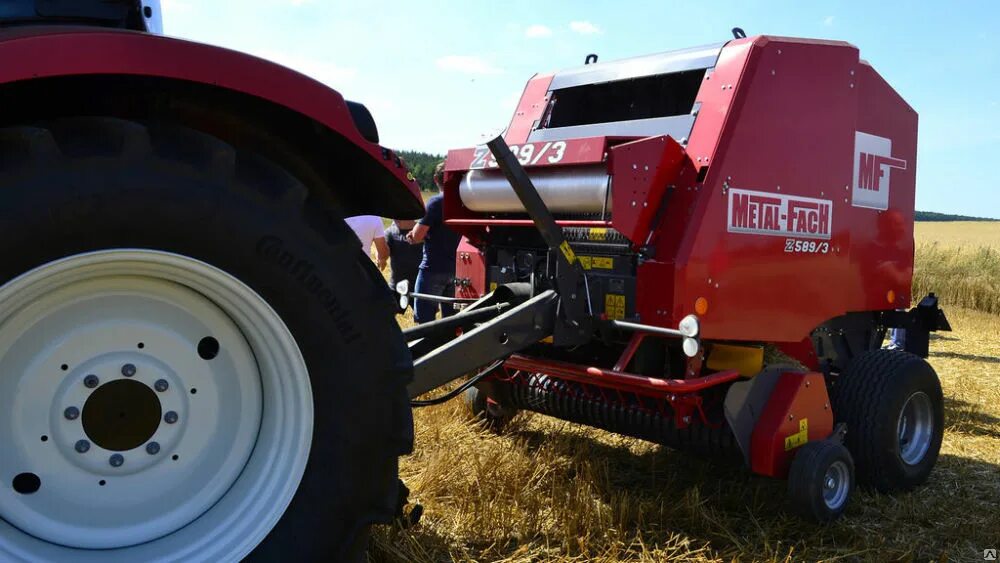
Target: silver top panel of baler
677, 126
692, 58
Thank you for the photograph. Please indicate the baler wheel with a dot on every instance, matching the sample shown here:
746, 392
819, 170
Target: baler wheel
488, 412
892, 404
820, 480
196, 361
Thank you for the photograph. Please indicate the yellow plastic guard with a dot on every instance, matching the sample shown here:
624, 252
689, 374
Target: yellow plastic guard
748, 360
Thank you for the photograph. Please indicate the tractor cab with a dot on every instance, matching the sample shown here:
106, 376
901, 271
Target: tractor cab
138, 15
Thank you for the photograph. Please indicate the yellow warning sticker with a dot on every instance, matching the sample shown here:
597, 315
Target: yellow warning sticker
799, 438
597, 234
614, 306
567, 252
603, 262
599, 262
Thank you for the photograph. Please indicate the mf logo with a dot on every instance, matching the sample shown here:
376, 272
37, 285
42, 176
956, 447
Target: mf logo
873, 163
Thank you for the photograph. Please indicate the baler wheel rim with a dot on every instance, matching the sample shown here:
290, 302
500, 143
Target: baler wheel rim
836, 485
820, 480
915, 428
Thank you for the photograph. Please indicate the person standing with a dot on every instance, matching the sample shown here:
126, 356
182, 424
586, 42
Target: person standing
404, 258
369, 230
437, 269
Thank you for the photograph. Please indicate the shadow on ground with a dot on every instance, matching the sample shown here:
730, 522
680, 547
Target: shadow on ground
967, 357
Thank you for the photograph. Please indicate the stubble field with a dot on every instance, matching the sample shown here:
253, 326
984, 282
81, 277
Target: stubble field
547, 490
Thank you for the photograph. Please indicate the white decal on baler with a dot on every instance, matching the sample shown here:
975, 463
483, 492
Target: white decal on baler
528, 154
765, 213
873, 163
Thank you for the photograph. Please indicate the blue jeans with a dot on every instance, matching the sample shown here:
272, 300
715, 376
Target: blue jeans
433, 283
897, 338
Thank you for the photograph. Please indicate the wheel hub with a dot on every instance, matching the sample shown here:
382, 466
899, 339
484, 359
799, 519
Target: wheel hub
121, 415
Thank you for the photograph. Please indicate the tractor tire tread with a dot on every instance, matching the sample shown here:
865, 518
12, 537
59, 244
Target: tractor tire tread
379, 395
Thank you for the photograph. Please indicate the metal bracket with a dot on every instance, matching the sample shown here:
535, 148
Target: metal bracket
510, 332
839, 433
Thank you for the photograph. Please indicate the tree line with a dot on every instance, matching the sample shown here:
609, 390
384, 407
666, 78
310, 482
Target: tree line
422, 166
934, 216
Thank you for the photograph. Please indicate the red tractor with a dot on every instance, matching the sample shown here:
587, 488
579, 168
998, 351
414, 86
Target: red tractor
704, 248
197, 363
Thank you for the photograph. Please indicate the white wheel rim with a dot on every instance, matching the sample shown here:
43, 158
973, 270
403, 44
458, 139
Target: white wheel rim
836, 485
205, 477
915, 428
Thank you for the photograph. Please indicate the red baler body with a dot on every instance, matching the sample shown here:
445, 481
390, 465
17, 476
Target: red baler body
764, 186
788, 204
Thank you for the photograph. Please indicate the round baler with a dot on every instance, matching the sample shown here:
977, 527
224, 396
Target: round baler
711, 245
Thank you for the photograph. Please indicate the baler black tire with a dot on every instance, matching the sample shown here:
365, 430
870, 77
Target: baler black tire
807, 479
493, 416
869, 397
77, 185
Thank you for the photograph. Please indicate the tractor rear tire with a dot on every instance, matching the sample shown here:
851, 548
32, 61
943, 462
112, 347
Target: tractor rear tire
117, 212
892, 404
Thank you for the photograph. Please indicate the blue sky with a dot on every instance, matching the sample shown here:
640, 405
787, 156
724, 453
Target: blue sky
440, 75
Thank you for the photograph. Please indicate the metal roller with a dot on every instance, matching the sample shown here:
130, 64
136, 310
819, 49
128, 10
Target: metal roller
629, 415
574, 190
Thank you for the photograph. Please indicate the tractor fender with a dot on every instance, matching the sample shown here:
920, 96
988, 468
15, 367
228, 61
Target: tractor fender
372, 178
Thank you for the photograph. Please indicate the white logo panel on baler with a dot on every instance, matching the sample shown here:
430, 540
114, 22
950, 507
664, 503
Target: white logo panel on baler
873, 163
766, 213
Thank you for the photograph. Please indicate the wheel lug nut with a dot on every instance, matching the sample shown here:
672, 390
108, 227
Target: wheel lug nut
170, 417
82, 446
161, 385
128, 370
71, 413
116, 460
152, 448
91, 381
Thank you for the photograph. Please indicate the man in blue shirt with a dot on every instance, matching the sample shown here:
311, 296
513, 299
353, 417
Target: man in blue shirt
437, 269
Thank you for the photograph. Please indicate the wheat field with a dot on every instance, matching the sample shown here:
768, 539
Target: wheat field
547, 490
959, 261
